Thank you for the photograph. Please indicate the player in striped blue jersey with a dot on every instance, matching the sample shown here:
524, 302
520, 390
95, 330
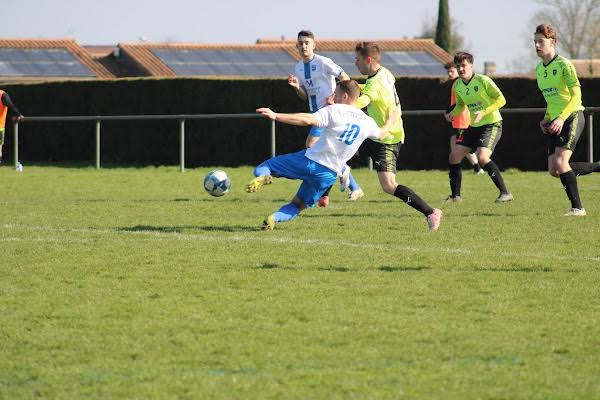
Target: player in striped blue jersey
314, 80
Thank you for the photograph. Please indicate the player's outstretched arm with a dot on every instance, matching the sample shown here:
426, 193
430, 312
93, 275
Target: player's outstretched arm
299, 119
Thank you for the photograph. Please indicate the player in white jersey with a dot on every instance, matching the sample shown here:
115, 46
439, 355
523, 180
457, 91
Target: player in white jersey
345, 128
314, 81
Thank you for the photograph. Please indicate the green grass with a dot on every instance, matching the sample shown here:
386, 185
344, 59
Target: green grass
134, 283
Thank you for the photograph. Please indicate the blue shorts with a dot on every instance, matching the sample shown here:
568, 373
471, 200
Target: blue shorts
316, 131
316, 178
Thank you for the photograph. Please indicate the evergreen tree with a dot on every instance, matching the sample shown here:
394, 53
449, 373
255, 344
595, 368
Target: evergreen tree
443, 37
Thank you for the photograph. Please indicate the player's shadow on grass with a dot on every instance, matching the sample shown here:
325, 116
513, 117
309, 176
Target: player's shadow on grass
516, 269
334, 269
182, 229
387, 268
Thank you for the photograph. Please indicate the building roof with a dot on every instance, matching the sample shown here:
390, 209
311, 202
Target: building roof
427, 45
225, 59
587, 68
35, 59
48, 59
276, 58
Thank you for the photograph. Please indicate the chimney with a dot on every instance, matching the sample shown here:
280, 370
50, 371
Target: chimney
489, 68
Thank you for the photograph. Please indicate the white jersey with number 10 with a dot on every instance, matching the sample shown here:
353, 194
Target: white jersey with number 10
346, 127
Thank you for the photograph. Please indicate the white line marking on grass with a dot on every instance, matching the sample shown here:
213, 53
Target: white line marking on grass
203, 238
39, 239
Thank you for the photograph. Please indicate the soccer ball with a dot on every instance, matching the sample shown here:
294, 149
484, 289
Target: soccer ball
217, 183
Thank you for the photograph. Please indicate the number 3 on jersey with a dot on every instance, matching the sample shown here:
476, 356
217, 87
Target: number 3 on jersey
350, 133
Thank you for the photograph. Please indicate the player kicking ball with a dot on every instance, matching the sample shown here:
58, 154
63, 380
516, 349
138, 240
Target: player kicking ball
345, 128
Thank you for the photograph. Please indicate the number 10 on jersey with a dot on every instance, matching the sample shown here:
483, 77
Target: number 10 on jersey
350, 133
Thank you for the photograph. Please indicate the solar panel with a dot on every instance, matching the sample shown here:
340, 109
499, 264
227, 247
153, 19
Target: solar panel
400, 63
41, 62
249, 63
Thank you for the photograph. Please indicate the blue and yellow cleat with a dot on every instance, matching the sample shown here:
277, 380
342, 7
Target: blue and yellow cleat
269, 223
255, 184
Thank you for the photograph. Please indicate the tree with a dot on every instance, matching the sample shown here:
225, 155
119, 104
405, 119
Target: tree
443, 35
577, 23
428, 30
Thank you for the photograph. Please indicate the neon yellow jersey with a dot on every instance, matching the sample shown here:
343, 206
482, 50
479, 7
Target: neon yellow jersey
554, 80
381, 90
480, 94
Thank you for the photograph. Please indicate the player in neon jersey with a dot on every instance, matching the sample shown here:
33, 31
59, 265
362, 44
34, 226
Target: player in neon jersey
346, 127
314, 81
383, 105
462, 121
482, 97
563, 121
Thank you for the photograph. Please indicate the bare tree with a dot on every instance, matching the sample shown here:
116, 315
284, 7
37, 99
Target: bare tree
577, 23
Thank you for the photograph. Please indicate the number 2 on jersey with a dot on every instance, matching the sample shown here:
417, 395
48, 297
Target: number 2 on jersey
350, 133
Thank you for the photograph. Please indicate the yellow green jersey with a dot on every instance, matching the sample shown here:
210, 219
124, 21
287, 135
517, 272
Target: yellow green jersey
554, 80
479, 94
380, 88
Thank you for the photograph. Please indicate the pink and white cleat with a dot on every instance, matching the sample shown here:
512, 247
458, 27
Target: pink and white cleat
435, 219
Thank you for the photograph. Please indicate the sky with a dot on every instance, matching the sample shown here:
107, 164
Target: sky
494, 30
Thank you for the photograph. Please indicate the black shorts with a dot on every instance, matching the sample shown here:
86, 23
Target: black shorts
481, 136
384, 156
456, 132
569, 135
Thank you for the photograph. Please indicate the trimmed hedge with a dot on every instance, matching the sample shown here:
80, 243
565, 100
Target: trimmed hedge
246, 141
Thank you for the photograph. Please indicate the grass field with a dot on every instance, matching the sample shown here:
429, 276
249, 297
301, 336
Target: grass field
134, 283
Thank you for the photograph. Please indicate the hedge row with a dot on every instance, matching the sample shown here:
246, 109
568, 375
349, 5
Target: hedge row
247, 141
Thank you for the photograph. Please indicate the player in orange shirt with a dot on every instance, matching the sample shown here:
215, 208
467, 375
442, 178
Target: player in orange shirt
6, 105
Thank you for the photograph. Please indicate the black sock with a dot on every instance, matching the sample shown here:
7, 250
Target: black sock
569, 181
494, 173
412, 199
327, 191
455, 174
476, 167
584, 168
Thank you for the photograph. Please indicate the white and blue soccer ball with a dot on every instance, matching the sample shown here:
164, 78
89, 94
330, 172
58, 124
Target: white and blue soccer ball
217, 183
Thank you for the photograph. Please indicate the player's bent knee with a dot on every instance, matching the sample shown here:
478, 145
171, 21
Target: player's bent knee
389, 187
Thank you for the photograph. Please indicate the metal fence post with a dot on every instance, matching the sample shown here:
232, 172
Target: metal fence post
182, 145
16, 144
590, 125
273, 152
98, 144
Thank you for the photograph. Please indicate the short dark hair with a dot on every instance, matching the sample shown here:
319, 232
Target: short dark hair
351, 88
369, 49
449, 65
461, 56
546, 30
306, 33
